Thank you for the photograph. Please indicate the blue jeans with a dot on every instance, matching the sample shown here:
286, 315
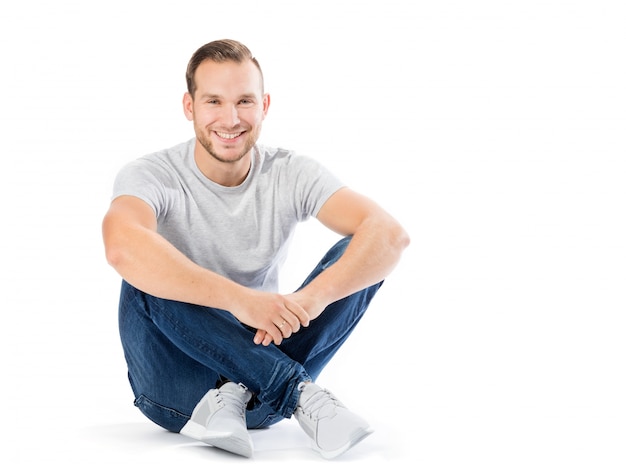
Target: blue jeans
177, 351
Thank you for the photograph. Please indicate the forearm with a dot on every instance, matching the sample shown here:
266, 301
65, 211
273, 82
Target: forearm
150, 263
372, 254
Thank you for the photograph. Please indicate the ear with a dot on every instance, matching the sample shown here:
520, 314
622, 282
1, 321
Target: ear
188, 106
266, 104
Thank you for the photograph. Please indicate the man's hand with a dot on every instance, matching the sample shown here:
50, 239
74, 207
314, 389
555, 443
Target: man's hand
277, 316
301, 301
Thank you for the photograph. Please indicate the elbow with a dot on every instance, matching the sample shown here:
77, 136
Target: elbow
400, 238
115, 250
114, 256
390, 233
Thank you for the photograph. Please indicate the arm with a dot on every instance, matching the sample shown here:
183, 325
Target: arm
150, 263
377, 243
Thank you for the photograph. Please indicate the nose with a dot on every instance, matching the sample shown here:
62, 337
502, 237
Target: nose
230, 116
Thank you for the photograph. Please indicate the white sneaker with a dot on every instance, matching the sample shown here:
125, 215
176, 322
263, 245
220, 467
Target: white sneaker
333, 428
219, 419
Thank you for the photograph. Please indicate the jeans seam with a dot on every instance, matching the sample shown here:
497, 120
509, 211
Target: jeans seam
175, 413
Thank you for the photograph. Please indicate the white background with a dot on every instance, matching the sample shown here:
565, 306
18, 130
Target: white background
493, 130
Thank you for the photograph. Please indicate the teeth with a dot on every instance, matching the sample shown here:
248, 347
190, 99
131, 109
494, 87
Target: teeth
227, 136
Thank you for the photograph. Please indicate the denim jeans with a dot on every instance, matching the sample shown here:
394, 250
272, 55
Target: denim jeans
177, 351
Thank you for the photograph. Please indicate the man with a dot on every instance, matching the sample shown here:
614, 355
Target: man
198, 233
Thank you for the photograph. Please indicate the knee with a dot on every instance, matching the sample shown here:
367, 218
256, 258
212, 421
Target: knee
336, 251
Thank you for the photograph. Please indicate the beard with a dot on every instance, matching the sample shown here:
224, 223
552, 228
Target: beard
205, 141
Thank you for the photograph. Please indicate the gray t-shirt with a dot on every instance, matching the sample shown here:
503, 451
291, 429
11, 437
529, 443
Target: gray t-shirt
240, 232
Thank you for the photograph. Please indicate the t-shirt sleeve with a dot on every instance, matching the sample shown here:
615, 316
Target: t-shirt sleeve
146, 180
314, 184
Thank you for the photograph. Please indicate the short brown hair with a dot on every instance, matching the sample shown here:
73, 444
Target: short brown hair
222, 50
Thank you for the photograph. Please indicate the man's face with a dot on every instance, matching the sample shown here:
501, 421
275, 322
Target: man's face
227, 108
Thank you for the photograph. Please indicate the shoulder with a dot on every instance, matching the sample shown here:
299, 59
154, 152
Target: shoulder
285, 159
274, 155
162, 164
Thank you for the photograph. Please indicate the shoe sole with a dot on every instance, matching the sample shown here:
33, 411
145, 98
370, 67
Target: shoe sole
228, 442
193, 430
222, 440
356, 438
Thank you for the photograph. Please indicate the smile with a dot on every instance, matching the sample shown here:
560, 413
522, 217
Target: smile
224, 135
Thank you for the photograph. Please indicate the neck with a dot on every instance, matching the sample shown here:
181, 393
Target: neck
224, 173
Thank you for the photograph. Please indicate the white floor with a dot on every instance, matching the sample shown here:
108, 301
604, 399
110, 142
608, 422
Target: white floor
74, 423
281, 446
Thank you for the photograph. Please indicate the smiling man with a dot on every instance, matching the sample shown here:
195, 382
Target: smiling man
198, 233
227, 106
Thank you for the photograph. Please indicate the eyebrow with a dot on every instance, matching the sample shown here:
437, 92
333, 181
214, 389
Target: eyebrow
213, 95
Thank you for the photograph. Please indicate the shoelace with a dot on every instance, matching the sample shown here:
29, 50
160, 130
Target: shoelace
317, 401
231, 401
